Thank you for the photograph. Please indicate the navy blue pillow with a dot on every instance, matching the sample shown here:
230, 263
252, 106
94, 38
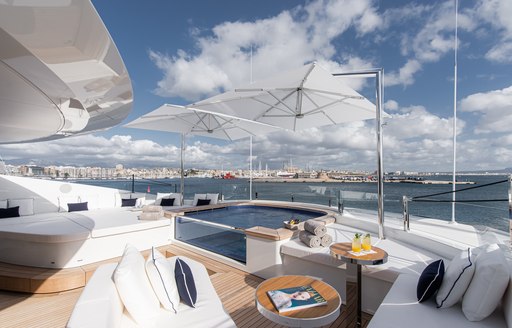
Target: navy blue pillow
430, 280
201, 202
10, 212
74, 207
185, 283
167, 202
128, 202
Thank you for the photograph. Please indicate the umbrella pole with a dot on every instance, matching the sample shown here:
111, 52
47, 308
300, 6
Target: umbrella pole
182, 180
379, 93
250, 168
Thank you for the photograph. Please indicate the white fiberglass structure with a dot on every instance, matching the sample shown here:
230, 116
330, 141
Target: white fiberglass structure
60, 68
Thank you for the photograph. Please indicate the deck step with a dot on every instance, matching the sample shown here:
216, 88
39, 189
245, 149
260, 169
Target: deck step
26, 279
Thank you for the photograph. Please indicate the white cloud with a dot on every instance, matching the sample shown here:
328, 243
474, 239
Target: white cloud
494, 109
279, 43
500, 53
405, 75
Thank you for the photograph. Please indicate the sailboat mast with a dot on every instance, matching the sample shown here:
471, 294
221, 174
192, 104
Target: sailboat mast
455, 114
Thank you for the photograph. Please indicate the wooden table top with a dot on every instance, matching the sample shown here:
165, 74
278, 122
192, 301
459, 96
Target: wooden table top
341, 251
327, 292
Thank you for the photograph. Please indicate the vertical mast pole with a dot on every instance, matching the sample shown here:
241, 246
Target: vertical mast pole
454, 180
250, 168
182, 179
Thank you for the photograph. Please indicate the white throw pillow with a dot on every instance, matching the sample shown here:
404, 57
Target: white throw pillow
134, 288
488, 285
26, 205
176, 195
162, 279
3, 203
456, 279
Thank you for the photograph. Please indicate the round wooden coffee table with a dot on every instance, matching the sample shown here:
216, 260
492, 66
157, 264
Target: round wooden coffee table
353, 273
310, 317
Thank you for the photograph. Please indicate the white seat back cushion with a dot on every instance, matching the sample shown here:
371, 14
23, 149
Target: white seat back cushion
488, 285
64, 200
214, 198
26, 205
162, 280
456, 279
134, 287
177, 197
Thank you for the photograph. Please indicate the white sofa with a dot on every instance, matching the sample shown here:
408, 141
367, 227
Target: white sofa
400, 308
48, 236
99, 304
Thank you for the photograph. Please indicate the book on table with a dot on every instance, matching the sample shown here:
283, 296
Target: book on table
296, 298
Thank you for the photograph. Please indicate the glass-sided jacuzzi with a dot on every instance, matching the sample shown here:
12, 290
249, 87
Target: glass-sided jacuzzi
221, 230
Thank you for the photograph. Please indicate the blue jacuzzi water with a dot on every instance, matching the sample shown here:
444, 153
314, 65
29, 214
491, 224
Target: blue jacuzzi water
232, 242
247, 216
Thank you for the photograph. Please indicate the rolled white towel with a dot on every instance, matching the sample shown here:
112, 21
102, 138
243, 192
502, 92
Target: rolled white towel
151, 215
152, 208
309, 239
315, 227
326, 240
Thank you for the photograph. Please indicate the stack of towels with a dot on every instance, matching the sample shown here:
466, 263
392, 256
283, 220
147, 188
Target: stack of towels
151, 212
315, 234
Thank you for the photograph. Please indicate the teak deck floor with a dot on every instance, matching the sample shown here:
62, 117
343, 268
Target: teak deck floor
235, 288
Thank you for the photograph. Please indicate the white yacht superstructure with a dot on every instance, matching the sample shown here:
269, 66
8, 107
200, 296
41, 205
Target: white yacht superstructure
60, 68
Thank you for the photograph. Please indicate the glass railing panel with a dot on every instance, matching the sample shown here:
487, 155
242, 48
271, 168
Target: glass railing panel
223, 240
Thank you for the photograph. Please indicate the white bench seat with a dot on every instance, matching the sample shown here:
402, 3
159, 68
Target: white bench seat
400, 308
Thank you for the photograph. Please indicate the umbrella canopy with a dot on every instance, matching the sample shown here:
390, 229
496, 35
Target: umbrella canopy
186, 120
299, 99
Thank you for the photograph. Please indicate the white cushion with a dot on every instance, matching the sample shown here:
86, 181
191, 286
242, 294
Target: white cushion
488, 284
177, 197
93, 201
26, 205
3, 203
134, 287
162, 280
212, 197
456, 279
400, 308
141, 201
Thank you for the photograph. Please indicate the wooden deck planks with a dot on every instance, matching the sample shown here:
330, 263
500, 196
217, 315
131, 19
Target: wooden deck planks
235, 288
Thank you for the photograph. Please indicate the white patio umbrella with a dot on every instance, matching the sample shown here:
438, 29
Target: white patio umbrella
305, 98
295, 100
186, 120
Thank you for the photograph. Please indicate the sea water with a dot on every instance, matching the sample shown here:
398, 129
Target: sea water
361, 195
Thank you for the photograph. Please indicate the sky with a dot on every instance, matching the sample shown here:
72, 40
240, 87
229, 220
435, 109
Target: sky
183, 51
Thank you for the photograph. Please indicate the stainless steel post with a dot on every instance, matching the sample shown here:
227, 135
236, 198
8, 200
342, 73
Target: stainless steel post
379, 88
380, 166
510, 206
405, 206
182, 180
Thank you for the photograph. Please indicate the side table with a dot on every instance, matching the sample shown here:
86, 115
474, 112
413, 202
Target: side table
341, 251
311, 317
